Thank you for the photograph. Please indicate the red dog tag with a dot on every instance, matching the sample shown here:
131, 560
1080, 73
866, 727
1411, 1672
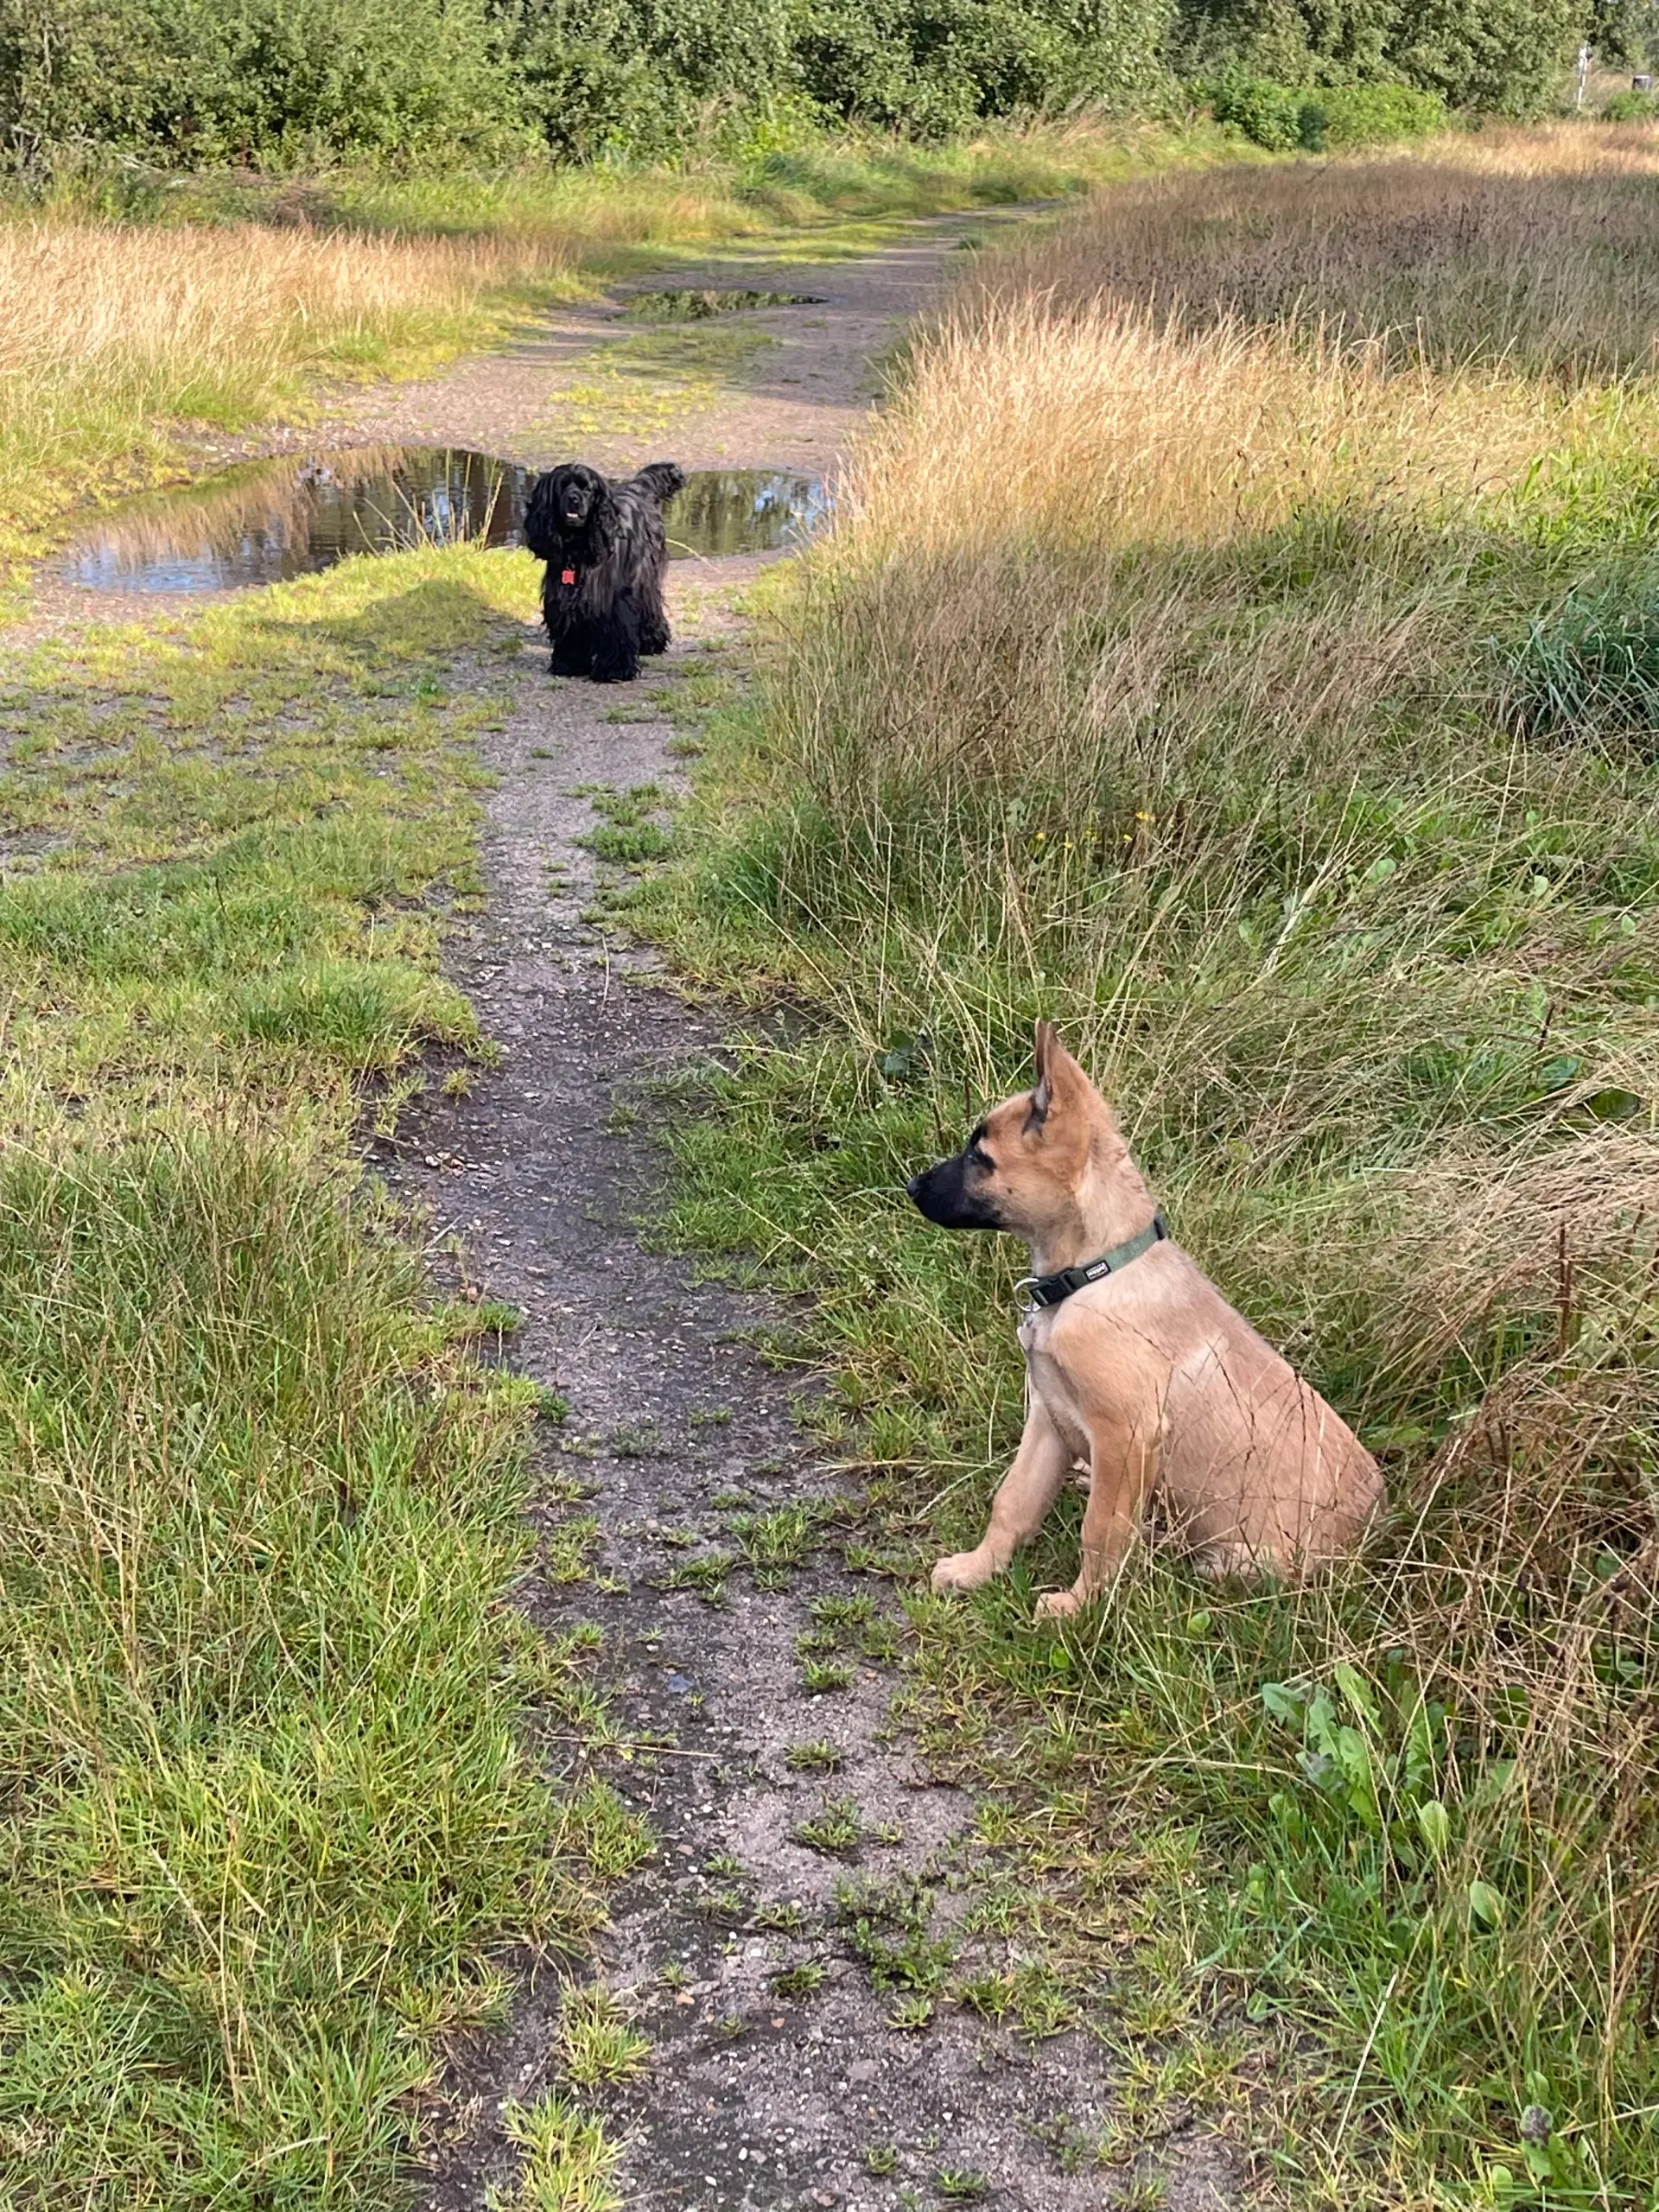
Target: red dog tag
567, 575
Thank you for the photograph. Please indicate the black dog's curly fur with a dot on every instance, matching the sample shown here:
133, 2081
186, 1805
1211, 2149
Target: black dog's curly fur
604, 550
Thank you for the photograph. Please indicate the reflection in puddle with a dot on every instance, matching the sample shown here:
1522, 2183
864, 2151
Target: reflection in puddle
743, 510
272, 520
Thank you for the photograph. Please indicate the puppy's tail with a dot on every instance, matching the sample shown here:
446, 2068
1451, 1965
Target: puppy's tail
662, 478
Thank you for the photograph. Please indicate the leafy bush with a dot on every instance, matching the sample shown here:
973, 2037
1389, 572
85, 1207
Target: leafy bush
274, 83
1500, 56
933, 65
638, 77
1282, 117
1273, 116
1632, 107
213, 81
1366, 115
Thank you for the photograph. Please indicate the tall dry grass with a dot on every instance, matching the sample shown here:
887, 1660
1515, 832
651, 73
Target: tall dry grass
1530, 249
1161, 676
114, 332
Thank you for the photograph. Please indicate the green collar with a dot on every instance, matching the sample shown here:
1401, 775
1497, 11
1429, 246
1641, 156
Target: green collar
1052, 1290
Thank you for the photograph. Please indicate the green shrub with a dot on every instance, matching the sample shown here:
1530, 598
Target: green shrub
1282, 117
638, 77
1366, 115
276, 81
933, 66
1277, 117
1632, 107
209, 81
1496, 57
1505, 57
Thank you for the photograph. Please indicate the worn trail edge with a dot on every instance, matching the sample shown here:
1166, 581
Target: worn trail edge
752, 2097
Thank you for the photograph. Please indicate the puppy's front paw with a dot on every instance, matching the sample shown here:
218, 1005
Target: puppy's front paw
962, 1571
1058, 1604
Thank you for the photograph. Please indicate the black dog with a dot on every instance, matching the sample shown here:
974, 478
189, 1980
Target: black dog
604, 550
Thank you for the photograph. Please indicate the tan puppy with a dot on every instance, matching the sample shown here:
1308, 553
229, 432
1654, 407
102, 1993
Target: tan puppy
1140, 1370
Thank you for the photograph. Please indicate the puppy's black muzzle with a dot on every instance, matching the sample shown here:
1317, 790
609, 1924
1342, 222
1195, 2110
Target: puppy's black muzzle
945, 1195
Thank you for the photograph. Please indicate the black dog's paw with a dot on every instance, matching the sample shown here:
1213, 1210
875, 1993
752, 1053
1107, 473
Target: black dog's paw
616, 675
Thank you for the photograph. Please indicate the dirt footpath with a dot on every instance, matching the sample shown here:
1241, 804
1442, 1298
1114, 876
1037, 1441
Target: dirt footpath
805, 2054
793, 402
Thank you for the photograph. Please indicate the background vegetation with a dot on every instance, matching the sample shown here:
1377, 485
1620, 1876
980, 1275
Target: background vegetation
277, 83
1240, 641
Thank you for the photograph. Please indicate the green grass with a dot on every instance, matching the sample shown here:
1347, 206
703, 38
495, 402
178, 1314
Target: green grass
625, 833
775, 1544
836, 1826
1591, 667
819, 1756
647, 384
859, 176
1311, 788
268, 1812
568, 2163
596, 2041
799, 1982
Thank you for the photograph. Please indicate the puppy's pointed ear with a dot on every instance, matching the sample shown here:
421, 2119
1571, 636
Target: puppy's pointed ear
1043, 1045
1060, 1102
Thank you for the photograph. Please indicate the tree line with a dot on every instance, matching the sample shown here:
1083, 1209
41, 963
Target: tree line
192, 83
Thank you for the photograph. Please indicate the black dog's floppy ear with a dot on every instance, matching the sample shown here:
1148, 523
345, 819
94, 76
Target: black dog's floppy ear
542, 531
603, 516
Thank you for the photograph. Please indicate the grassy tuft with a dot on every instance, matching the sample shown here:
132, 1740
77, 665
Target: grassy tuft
596, 2041
568, 2164
1590, 672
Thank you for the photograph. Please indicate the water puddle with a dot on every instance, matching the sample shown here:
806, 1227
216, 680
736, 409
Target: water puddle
672, 304
271, 520
724, 511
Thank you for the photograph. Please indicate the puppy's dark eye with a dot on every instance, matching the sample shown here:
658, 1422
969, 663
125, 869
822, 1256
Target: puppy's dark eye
981, 1159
